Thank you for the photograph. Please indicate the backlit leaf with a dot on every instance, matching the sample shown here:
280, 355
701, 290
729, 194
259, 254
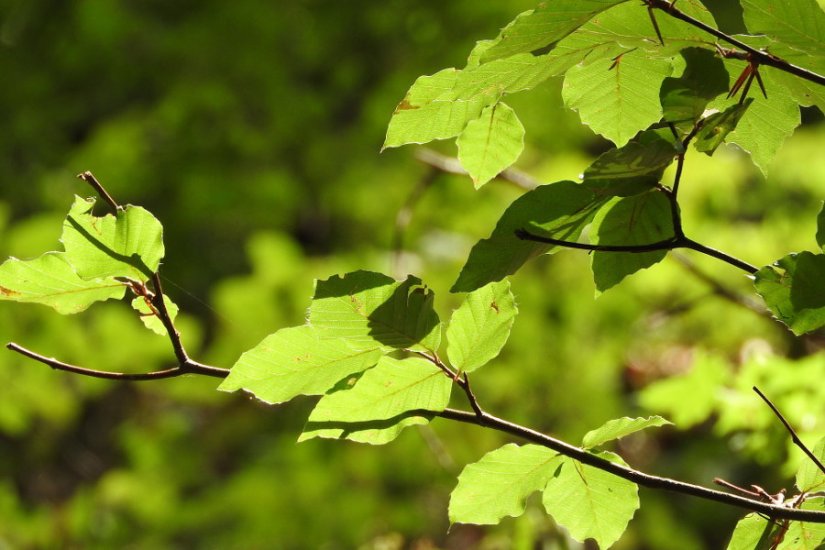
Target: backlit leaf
490, 143
374, 432
809, 478
620, 427
480, 327
805, 535
684, 98
799, 24
590, 503
51, 281
794, 290
147, 316
129, 244
753, 532
717, 126
371, 310
496, 486
295, 361
632, 169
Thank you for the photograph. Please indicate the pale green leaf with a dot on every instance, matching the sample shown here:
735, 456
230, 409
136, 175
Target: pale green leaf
372, 310
559, 210
809, 478
480, 327
490, 143
148, 317
374, 432
805, 535
496, 486
591, 503
638, 220
753, 532
295, 361
390, 389
617, 98
51, 281
548, 23
620, 427
794, 290
632, 169
799, 24
129, 244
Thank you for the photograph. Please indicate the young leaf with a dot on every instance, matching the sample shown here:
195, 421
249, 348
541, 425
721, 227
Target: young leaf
51, 281
374, 432
150, 320
809, 478
684, 98
295, 361
497, 485
617, 98
590, 503
490, 143
480, 327
717, 126
638, 220
793, 290
548, 23
559, 210
620, 427
798, 24
753, 532
391, 388
806, 536
129, 244
632, 169
372, 310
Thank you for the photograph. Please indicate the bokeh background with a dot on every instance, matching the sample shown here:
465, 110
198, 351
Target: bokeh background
252, 130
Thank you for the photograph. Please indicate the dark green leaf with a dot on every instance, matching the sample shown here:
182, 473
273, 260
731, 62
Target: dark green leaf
684, 98
820, 228
559, 210
809, 478
716, 127
794, 290
638, 220
632, 169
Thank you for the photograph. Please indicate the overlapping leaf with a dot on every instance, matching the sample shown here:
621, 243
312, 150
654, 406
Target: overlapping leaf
129, 244
480, 327
559, 210
497, 485
295, 361
684, 98
51, 281
589, 502
794, 291
638, 220
374, 432
809, 478
632, 169
753, 532
717, 126
619, 428
371, 310
490, 143
148, 317
798, 24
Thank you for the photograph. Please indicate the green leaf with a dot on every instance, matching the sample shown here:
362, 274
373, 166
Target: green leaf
638, 220
753, 532
490, 143
617, 98
497, 485
701, 383
820, 228
480, 327
374, 432
632, 169
129, 244
148, 317
804, 535
591, 503
391, 388
809, 478
51, 281
717, 126
684, 98
559, 210
372, 310
794, 290
620, 427
548, 23
799, 24
295, 361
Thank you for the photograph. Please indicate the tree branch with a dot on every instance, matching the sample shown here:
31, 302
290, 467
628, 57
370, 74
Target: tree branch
665, 244
89, 178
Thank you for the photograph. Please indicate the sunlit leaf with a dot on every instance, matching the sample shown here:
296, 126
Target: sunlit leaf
390, 389
149, 318
617, 98
372, 310
717, 126
374, 432
806, 535
129, 244
753, 532
794, 290
799, 24
632, 169
559, 210
809, 478
590, 503
490, 143
496, 486
620, 427
638, 220
51, 281
480, 327
295, 361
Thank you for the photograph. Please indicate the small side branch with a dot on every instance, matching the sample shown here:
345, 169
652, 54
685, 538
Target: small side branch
89, 178
665, 244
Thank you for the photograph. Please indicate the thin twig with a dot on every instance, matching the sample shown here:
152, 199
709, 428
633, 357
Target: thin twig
762, 57
794, 436
163, 314
719, 255
465, 385
665, 244
720, 289
89, 178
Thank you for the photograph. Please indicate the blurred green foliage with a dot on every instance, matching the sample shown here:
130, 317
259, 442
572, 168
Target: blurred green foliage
252, 130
